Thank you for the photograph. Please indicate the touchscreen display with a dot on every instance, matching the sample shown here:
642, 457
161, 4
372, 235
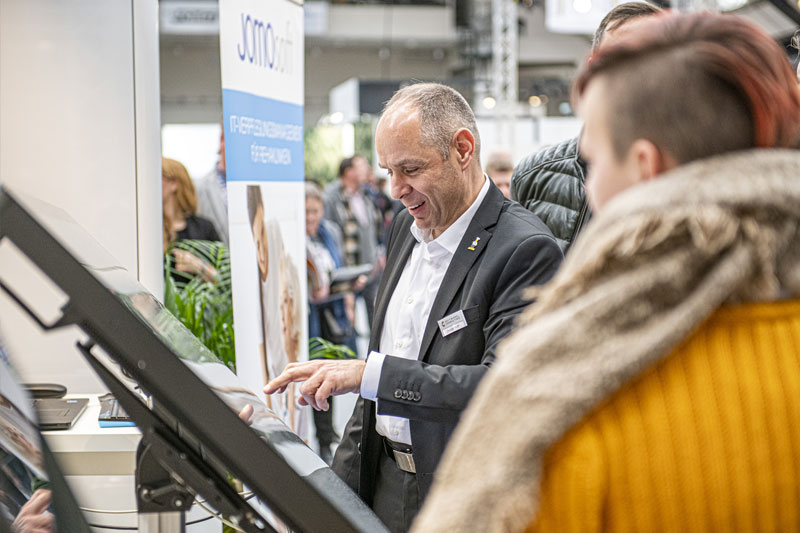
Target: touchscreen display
177, 371
219, 378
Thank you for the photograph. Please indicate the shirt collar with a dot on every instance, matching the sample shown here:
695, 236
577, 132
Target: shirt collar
451, 237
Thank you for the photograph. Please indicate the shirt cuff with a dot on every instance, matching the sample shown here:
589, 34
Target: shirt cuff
372, 376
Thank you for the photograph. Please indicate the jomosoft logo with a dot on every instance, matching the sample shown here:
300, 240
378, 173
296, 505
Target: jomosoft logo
263, 45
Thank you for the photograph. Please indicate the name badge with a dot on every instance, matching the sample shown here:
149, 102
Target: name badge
452, 323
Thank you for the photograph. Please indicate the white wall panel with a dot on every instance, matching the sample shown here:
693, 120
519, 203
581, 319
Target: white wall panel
68, 135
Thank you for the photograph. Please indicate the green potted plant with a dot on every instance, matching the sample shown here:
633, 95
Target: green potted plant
204, 306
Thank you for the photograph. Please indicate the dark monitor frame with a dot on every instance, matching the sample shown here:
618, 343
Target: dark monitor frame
67, 514
204, 417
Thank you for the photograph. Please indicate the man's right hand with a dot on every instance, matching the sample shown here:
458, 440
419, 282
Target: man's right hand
322, 380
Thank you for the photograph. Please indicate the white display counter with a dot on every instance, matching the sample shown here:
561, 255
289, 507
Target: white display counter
99, 465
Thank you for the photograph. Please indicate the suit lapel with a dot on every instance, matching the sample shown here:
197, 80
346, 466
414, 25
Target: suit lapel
391, 276
469, 249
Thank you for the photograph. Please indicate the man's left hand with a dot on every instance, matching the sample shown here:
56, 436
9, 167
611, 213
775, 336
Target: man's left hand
322, 379
33, 516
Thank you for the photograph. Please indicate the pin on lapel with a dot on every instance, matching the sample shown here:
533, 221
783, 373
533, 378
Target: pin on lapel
474, 244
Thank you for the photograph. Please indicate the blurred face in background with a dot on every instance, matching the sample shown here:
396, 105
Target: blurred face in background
314, 213
364, 170
502, 178
351, 179
168, 188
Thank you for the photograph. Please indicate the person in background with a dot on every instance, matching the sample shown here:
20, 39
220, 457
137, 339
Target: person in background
349, 207
654, 384
212, 194
499, 169
550, 182
181, 221
330, 316
374, 188
459, 258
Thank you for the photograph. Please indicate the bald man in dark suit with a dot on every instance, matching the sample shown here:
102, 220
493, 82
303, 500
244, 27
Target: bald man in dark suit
458, 260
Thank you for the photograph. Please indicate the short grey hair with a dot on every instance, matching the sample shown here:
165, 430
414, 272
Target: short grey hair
442, 111
313, 191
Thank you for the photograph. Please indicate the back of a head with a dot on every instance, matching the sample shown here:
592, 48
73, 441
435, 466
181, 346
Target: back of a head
697, 85
621, 15
499, 162
442, 111
185, 195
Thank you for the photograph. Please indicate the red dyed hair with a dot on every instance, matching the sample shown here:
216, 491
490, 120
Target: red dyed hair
696, 85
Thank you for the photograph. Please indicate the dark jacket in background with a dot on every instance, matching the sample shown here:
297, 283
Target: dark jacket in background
198, 228
550, 184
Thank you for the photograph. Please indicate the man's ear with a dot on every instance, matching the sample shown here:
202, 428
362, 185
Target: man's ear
650, 160
464, 143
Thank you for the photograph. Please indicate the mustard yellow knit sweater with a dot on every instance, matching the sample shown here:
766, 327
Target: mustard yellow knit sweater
708, 440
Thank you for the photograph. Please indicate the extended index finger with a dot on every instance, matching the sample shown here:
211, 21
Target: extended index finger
293, 372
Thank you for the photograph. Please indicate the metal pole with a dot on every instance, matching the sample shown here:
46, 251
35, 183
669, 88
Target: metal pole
504, 55
162, 522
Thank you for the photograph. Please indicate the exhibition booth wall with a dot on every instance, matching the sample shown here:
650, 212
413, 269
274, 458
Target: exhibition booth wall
79, 101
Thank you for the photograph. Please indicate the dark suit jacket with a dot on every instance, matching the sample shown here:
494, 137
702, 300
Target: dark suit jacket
515, 250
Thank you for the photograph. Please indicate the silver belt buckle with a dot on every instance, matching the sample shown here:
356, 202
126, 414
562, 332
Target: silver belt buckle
405, 461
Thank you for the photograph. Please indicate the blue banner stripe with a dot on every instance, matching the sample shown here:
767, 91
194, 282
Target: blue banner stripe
263, 138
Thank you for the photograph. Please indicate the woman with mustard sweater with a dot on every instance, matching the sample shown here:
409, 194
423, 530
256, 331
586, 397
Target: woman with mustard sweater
655, 383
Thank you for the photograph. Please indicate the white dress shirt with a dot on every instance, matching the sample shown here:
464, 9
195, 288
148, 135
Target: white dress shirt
410, 306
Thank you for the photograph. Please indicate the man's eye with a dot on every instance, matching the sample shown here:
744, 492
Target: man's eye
410, 171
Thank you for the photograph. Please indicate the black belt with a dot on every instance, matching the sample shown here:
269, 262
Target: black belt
402, 454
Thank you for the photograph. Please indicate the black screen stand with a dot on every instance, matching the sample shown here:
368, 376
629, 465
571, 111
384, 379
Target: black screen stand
168, 472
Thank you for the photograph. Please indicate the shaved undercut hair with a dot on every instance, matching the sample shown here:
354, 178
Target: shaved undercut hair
697, 85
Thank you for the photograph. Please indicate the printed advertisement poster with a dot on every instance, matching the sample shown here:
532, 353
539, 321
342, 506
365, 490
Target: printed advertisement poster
261, 48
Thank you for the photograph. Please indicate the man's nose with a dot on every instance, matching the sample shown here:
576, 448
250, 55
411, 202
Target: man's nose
399, 186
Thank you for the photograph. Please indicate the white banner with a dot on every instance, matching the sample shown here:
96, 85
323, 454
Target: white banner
261, 49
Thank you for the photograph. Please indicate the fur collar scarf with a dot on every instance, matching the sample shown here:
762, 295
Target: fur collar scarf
648, 270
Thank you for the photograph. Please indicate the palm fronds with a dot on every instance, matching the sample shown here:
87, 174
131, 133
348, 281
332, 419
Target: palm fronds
204, 307
319, 348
